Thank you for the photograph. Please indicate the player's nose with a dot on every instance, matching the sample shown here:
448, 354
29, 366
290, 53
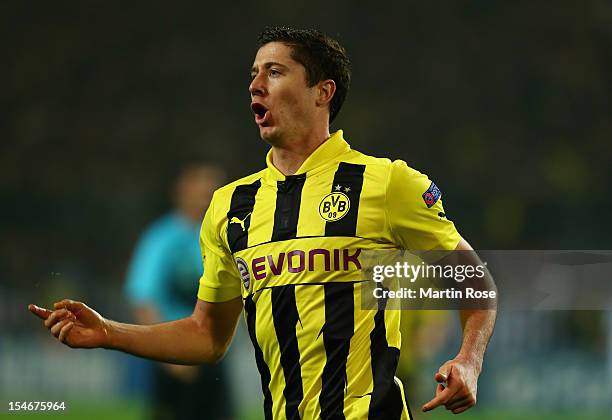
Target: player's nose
257, 86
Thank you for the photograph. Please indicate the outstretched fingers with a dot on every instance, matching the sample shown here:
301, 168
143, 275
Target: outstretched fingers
55, 330
57, 316
69, 304
42, 313
442, 396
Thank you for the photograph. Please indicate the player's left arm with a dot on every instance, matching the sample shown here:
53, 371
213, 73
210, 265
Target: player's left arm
458, 378
417, 221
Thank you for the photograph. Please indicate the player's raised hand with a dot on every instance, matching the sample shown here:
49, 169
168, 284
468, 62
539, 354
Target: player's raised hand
74, 324
457, 386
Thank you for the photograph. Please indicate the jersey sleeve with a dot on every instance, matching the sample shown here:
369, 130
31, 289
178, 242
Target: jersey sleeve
415, 214
220, 281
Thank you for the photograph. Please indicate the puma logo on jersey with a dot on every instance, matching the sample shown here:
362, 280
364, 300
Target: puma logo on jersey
240, 222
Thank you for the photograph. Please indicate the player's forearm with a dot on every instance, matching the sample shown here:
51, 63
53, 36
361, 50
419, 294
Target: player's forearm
477, 323
180, 342
477, 330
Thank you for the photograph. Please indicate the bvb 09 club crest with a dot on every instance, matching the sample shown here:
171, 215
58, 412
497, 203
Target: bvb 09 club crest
334, 206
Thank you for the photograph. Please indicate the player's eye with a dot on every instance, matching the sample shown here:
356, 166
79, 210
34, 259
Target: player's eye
274, 73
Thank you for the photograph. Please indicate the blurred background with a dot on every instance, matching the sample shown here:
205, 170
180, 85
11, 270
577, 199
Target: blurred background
506, 105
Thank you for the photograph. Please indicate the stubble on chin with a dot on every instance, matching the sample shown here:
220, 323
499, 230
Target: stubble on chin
272, 137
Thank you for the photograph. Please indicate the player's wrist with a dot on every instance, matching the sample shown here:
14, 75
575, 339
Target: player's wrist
474, 362
109, 334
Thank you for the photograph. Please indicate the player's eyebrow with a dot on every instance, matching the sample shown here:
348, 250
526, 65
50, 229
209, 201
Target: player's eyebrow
267, 65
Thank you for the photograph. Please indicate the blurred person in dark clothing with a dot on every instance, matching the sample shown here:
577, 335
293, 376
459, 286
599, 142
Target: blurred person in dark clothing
161, 283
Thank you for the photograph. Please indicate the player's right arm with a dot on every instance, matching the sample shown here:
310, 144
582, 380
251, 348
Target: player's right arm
202, 337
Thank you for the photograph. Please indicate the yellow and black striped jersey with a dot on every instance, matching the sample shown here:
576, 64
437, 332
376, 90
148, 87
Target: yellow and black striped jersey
290, 247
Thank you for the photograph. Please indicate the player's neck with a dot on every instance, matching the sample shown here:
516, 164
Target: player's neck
193, 215
288, 156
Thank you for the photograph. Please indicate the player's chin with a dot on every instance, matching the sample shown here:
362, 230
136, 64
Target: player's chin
269, 134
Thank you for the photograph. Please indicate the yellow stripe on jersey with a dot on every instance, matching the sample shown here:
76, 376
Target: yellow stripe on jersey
360, 387
309, 301
291, 246
310, 223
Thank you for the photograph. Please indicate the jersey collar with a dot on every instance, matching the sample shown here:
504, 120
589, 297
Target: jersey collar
327, 152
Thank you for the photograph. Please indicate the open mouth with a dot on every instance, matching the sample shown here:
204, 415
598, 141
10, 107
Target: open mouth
260, 111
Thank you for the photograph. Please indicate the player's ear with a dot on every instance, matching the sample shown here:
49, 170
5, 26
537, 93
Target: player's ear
325, 91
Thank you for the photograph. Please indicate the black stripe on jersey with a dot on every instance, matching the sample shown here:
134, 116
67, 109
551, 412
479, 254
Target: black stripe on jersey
316, 236
349, 176
312, 284
264, 370
337, 332
239, 215
386, 401
288, 198
407, 404
286, 318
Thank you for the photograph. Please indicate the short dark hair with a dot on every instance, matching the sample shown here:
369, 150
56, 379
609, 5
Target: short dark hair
322, 56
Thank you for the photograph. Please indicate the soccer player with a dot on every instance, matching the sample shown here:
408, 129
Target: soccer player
284, 244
